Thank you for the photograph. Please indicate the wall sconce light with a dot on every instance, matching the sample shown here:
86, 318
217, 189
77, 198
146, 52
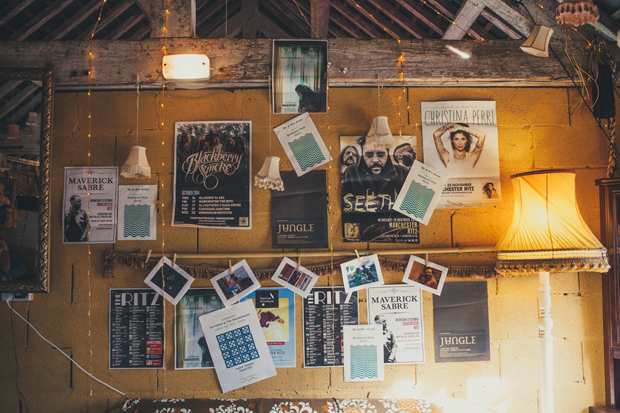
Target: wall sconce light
538, 42
186, 67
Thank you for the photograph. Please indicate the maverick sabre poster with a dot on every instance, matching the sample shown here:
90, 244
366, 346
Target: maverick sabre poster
299, 213
461, 320
372, 175
325, 314
136, 329
460, 139
212, 187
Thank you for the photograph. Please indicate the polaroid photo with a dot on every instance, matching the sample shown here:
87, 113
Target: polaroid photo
428, 277
233, 287
299, 280
361, 273
169, 280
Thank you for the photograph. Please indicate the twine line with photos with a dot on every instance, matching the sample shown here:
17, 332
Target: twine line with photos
137, 261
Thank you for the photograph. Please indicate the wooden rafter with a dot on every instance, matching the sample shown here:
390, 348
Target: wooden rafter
497, 22
43, 17
234, 27
12, 10
320, 18
251, 21
74, 20
27, 107
7, 87
141, 33
292, 21
399, 18
107, 18
145, 7
125, 26
205, 15
346, 25
377, 19
272, 30
17, 99
506, 12
417, 10
356, 19
465, 18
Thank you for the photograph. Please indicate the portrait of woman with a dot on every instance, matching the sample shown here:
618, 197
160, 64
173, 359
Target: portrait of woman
462, 157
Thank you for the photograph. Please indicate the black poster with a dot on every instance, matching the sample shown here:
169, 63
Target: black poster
372, 175
299, 213
212, 175
461, 319
136, 329
325, 314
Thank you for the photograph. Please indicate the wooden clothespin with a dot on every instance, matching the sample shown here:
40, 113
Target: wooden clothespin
174, 259
358, 256
230, 267
148, 256
298, 261
426, 260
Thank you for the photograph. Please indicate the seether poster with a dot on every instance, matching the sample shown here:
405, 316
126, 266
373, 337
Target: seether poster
212, 187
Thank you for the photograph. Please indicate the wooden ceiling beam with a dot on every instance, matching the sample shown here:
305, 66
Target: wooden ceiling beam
145, 7
12, 10
378, 20
521, 23
497, 22
206, 14
34, 24
141, 33
247, 63
125, 27
289, 19
234, 27
319, 18
466, 16
420, 13
107, 18
398, 18
346, 25
342, 8
74, 20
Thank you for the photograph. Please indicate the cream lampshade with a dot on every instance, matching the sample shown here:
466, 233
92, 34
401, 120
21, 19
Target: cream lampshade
547, 234
269, 175
136, 166
538, 42
379, 133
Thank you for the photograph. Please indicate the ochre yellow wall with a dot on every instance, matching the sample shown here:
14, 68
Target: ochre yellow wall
536, 131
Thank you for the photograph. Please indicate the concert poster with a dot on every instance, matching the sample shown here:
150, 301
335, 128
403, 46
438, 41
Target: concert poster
326, 311
212, 186
461, 321
367, 214
275, 308
460, 138
299, 213
136, 329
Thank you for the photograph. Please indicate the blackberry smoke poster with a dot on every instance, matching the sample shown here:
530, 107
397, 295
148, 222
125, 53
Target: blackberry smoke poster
212, 174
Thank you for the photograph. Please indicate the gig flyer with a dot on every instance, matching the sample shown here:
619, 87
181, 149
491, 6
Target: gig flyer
299, 213
325, 314
460, 138
191, 351
136, 329
363, 355
398, 309
302, 144
461, 320
89, 218
372, 175
275, 308
238, 347
137, 215
212, 187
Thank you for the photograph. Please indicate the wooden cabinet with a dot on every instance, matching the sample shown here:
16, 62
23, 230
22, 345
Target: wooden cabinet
610, 233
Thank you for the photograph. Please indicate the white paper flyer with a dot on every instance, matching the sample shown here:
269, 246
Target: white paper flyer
420, 193
303, 144
89, 205
237, 345
363, 354
137, 216
398, 310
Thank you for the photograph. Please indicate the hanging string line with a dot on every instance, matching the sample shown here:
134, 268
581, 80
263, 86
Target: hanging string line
55, 347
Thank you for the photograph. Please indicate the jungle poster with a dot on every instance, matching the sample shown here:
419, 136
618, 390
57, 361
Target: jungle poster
372, 175
460, 138
212, 187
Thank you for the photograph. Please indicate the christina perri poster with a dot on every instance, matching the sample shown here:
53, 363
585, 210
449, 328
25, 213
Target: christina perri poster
460, 139
212, 187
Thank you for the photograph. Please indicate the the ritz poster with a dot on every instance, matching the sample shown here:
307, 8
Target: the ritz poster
326, 312
372, 175
460, 138
89, 205
191, 351
275, 308
212, 175
398, 309
136, 329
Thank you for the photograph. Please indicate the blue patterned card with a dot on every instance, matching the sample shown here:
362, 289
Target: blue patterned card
363, 353
303, 144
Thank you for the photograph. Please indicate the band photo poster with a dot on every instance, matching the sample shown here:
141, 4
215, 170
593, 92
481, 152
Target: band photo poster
275, 308
136, 329
372, 175
89, 205
461, 139
326, 311
399, 310
212, 185
237, 345
299, 78
191, 350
